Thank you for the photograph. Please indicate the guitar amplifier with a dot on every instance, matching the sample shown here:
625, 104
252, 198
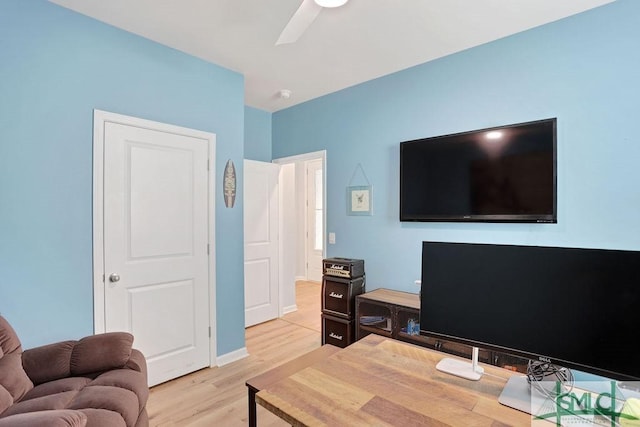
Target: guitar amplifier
339, 295
346, 268
337, 331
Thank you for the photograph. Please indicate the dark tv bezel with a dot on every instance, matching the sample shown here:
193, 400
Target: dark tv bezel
531, 355
506, 218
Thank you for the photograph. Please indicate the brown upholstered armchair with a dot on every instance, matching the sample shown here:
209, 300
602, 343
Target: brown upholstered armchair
99, 380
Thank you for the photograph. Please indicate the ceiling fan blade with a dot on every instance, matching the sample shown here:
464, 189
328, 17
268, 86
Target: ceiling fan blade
299, 22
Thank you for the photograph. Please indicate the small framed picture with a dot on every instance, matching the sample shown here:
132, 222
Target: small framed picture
359, 201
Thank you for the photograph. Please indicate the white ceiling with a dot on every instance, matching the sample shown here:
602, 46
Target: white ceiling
360, 41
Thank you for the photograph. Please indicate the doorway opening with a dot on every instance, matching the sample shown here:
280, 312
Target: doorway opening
303, 221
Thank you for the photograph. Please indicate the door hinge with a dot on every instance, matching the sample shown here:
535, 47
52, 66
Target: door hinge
208, 249
209, 331
208, 164
103, 277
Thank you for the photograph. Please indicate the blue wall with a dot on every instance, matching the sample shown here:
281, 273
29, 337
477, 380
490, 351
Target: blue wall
584, 70
257, 134
56, 66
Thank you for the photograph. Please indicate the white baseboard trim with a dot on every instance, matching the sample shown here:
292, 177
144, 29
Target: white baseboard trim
234, 356
301, 278
289, 309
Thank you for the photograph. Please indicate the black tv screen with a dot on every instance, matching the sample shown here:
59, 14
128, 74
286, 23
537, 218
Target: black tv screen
576, 308
501, 174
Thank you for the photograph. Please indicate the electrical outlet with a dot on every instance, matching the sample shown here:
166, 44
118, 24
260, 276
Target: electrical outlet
332, 238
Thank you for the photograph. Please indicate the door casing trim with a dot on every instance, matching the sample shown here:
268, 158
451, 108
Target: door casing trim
101, 117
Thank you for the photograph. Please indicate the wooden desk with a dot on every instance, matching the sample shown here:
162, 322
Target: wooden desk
380, 381
278, 373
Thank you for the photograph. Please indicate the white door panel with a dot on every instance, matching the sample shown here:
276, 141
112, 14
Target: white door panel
155, 240
260, 242
259, 296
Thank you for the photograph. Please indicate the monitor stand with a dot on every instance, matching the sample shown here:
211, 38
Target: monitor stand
460, 368
519, 394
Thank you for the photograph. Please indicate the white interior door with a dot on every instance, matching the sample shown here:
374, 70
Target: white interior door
156, 237
260, 241
314, 240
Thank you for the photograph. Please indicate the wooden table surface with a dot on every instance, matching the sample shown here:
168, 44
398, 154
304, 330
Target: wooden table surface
257, 383
378, 381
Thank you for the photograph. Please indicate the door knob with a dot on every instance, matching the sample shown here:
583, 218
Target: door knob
113, 277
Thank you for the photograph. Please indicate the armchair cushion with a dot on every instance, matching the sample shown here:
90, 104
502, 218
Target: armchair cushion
98, 381
9, 341
88, 356
102, 352
48, 362
13, 378
14, 382
57, 418
6, 399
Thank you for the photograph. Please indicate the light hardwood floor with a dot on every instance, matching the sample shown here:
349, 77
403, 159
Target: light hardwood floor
218, 396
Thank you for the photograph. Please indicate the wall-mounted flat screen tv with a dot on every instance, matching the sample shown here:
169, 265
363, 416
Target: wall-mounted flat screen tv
500, 174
